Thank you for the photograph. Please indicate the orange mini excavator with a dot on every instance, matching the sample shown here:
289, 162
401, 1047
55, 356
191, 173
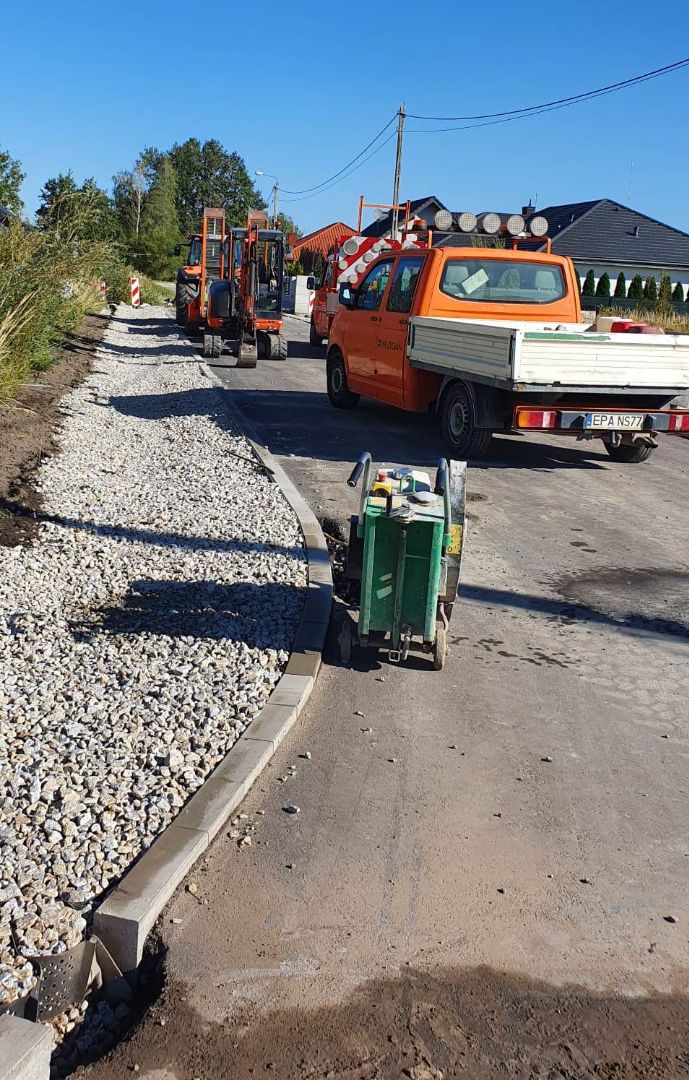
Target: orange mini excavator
245, 307
206, 264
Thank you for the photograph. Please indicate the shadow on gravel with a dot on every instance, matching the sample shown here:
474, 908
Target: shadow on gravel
144, 350
472, 1025
261, 616
139, 534
624, 616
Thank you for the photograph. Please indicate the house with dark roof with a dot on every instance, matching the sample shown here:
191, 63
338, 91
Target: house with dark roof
607, 237
600, 235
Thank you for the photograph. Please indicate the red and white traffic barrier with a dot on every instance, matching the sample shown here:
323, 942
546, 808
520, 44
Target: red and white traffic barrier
103, 290
135, 291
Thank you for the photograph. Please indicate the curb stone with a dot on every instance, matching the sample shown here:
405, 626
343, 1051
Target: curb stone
25, 1049
125, 918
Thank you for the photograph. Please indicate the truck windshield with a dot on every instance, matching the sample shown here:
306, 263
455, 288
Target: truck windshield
500, 281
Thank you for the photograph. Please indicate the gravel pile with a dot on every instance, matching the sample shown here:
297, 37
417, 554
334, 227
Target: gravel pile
139, 635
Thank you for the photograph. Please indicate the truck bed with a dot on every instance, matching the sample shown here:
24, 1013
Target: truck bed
534, 357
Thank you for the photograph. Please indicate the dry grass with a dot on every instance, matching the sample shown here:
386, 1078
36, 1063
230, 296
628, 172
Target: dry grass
657, 316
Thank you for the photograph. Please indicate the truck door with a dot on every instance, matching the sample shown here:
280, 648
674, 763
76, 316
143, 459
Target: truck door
362, 323
388, 360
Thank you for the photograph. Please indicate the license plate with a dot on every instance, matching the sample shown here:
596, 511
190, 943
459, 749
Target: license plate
604, 421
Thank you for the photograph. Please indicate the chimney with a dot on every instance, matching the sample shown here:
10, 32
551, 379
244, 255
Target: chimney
636, 230
527, 211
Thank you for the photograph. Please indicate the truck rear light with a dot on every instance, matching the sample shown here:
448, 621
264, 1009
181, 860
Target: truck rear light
536, 418
351, 246
679, 422
343, 264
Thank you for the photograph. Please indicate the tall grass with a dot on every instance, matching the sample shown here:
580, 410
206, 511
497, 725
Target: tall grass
48, 281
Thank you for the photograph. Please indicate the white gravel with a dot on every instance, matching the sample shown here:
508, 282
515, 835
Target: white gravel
139, 634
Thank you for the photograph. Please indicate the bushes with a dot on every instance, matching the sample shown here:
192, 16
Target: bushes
636, 289
621, 286
678, 293
651, 290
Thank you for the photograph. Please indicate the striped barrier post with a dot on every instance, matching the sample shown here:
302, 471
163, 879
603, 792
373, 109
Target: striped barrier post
103, 290
135, 291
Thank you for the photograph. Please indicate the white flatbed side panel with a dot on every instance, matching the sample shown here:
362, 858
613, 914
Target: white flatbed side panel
474, 348
624, 360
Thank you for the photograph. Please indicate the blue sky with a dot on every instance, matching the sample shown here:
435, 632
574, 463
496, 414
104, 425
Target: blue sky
87, 85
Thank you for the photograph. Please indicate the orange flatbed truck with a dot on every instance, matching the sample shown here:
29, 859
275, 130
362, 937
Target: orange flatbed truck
492, 340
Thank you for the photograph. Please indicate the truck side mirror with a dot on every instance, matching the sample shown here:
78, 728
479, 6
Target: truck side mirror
311, 283
346, 296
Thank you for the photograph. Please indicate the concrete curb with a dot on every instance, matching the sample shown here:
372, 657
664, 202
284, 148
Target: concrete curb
25, 1049
126, 917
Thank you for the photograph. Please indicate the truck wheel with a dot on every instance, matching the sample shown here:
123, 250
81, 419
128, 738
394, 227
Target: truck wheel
631, 455
338, 390
458, 425
315, 338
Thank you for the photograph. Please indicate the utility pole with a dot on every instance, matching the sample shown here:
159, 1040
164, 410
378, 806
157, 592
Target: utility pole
401, 114
276, 189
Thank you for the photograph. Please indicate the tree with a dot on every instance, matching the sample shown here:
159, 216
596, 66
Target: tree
678, 294
160, 230
621, 286
577, 276
128, 191
11, 178
80, 213
651, 290
210, 176
665, 292
589, 288
603, 286
636, 289
288, 225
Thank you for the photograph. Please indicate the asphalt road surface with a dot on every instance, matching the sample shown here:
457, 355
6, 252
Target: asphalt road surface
475, 842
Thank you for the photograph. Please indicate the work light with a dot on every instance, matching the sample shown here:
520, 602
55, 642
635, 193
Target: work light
490, 223
515, 224
443, 220
467, 221
538, 225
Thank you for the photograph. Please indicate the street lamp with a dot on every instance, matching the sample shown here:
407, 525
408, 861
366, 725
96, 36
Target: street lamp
276, 189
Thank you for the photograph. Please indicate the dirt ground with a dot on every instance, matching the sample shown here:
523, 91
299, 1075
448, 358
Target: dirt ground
425, 1025
28, 427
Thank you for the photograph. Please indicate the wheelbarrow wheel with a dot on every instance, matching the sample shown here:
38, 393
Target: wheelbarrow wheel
345, 640
439, 649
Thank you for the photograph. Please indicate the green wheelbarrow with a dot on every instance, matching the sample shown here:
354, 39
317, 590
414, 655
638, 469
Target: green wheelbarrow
405, 550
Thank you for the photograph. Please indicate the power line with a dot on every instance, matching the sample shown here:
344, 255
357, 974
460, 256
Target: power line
303, 191
302, 198
561, 102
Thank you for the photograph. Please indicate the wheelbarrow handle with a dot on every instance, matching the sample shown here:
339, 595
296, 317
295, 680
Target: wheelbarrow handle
355, 475
442, 487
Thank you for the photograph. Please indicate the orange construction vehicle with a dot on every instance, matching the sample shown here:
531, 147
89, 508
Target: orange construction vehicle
245, 308
207, 261
491, 339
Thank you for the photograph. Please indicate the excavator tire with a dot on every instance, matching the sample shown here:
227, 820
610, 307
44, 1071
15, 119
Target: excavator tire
212, 345
184, 295
277, 346
315, 338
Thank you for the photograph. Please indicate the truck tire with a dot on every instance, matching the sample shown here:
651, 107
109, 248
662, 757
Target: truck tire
630, 454
458, 427
338, 389
315, 338
183, 296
